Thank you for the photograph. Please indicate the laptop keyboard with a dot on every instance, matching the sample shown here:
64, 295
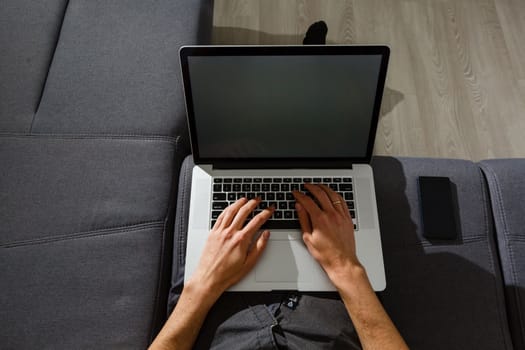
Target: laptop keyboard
276, 191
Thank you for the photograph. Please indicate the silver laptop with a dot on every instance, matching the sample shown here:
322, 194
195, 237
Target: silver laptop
263, 121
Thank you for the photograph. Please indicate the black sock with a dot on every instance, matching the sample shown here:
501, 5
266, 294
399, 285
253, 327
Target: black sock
316, 34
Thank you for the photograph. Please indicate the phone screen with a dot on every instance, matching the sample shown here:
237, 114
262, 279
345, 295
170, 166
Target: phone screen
437, 208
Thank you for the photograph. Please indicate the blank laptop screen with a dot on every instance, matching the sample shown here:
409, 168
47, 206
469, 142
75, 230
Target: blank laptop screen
295, 106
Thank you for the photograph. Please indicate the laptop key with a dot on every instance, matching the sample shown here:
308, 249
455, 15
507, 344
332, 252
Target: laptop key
219, 205
217, 180
228, 180
217, 188
215, 214
281, 224
345, 187
237, 180
232, 196
278, 214
219, 196
283, 205
236, 188
227, 187
288, 214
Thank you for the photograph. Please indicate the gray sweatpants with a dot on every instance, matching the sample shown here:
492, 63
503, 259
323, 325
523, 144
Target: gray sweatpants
278, 320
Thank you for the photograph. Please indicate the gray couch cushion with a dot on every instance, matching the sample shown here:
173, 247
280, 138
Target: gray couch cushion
507, 193
116, 68
28, 35
440, 294
82, 240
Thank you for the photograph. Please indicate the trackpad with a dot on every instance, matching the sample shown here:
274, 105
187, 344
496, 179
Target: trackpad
281, 260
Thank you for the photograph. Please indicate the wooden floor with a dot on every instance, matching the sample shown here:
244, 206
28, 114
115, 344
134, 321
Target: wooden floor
456, 79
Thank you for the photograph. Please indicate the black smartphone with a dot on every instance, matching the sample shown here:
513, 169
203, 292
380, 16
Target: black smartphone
437, 208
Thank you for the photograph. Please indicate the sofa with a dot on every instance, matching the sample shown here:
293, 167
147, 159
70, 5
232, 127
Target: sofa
92, 135
95, 173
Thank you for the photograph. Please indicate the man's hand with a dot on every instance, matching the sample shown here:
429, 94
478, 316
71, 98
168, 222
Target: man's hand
229, 253
328, 231
228, 256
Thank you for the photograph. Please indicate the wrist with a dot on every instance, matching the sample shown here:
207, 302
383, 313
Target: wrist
351, 274
202, 292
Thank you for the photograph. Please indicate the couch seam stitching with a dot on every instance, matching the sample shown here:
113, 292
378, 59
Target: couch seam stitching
84, 234
181, 250
156, 307
138, 137
508, 247
488, 248
49, 67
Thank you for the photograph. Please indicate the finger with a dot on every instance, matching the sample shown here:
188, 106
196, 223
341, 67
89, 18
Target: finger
304, 219
321, 196
255, 253
256, 223
244, 212
218, 222
307, 241
227, 215
337, 201
307, 203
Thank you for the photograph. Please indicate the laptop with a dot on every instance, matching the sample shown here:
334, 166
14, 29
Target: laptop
264, 120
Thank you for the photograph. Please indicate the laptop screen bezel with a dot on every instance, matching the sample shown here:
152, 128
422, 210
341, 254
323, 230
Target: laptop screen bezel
268, 163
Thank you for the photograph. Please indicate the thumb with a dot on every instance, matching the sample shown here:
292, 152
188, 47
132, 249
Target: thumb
256, 251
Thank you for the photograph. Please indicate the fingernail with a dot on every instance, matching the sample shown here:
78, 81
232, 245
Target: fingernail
298, 206
266, 235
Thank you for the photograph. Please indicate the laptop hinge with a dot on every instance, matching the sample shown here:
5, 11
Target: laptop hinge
283, 165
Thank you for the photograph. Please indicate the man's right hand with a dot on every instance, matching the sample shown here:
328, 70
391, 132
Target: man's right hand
328, 231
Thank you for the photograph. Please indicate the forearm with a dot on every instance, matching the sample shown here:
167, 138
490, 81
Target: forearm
184, 323
372, 323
